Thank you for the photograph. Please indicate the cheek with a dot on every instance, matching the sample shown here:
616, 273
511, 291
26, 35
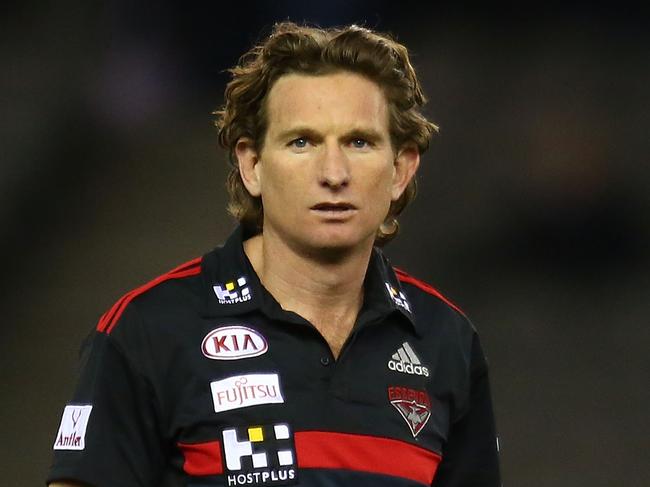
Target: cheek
283, 187
380, 185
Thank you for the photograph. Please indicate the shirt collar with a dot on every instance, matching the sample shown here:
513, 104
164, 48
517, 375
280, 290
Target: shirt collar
232, 288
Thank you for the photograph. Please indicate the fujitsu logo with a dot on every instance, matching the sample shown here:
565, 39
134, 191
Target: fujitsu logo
245, 390
233, 343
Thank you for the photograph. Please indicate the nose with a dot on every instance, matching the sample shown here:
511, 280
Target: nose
334, 170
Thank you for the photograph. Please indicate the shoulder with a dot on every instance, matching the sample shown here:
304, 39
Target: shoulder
433, 312
170, 290
444, 323
420, 287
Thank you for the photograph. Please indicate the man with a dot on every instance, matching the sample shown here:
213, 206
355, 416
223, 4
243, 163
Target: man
294, 354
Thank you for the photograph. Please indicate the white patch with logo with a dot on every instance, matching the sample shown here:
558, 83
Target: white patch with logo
233, 292
259, 455
233, 343
72, 431
398, 297
241, 391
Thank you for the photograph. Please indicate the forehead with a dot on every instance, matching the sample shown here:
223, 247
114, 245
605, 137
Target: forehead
339, 100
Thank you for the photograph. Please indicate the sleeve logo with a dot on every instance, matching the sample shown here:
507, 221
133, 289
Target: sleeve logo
72, 431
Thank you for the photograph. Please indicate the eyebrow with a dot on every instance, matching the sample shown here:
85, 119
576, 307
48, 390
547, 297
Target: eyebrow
369, 134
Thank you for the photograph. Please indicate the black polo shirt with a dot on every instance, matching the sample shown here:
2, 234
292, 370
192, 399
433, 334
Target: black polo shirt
200, 378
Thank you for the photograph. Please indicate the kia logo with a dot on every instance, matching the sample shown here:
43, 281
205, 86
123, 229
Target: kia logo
233, 343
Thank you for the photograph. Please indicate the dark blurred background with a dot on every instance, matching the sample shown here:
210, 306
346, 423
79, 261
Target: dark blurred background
533, 212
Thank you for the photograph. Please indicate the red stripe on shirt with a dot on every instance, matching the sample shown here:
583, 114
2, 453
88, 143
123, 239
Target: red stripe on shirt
327, 450
202, 458
109, 319
404, 277
320, 449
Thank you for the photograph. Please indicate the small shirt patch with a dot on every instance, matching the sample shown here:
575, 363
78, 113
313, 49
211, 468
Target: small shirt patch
233, 343
241, 391
398, 297
414, 406
233, 292
259, 455
405, 360
72, 431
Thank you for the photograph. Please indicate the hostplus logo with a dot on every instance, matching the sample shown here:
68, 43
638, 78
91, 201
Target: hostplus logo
406, 361
259, 455
398, 297
233, 292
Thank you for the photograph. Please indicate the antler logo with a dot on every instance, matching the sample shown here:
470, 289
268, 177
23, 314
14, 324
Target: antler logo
72, 431
76, 414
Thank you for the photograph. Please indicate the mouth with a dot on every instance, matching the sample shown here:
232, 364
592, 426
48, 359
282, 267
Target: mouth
334, 208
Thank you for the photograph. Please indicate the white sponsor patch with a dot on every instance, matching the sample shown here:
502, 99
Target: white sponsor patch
233, 343
233, 292
242, 391
72, 432
259, 455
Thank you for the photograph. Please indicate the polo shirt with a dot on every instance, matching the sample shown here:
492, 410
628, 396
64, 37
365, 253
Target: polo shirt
200, 378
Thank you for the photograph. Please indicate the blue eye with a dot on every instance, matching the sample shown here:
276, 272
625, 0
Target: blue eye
359, 143
300, 142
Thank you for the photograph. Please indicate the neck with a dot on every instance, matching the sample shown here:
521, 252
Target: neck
324, 288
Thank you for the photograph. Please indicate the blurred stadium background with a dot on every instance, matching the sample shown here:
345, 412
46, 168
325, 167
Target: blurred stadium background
533, 212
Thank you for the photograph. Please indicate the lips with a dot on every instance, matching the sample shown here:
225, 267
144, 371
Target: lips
334, 207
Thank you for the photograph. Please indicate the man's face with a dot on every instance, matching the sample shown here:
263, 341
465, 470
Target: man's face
327, 172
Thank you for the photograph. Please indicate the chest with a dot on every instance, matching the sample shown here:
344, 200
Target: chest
241, 389
334, 335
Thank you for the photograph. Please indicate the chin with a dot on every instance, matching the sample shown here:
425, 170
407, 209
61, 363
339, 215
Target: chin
339, 239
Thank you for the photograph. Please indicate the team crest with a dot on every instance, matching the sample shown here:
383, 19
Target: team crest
414, 407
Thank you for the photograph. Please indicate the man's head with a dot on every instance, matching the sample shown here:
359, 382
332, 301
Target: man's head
299, 50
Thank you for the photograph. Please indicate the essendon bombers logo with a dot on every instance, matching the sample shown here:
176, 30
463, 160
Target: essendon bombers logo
414, 406
233, 343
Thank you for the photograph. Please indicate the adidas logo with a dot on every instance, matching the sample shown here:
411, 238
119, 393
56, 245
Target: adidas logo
406, 361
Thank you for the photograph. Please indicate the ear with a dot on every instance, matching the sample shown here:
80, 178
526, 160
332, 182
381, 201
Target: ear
406, 164
247, 158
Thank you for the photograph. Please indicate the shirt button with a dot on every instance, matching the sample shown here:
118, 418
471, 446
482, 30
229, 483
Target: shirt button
325, 361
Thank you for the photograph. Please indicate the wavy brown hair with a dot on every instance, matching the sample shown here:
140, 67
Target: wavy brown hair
292, 48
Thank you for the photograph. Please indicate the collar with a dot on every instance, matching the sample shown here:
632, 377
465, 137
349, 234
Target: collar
232, 288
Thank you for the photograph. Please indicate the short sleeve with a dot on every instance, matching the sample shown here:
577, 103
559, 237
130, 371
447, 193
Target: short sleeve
109, 433
470, 457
